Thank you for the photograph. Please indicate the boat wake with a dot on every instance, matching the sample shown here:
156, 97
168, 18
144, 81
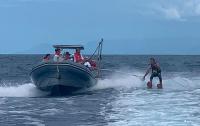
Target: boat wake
25, 90
116, 81
128, 81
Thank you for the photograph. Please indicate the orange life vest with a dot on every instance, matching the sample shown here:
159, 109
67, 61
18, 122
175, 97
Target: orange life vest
78, 58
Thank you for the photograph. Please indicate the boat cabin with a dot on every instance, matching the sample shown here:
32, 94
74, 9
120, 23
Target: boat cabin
68, 55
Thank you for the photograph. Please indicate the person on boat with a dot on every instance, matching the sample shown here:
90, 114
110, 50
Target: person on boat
78, 58
156, 72
57, 56
93, 64
67, 56
90, 63
46, 58
87, 64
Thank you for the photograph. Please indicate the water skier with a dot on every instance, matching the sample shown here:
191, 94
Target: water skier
156, 72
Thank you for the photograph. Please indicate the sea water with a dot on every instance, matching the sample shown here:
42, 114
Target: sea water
119, 99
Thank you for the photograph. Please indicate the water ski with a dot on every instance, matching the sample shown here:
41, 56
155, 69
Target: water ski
159, 86
149, 85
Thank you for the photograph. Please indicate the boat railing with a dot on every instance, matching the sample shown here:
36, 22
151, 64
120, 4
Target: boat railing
98, 54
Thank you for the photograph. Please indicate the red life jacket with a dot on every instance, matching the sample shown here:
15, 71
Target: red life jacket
93, 63
78, 58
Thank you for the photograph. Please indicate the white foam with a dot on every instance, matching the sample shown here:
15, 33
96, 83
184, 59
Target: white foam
126, 80
117, 81
150, 107
25, 90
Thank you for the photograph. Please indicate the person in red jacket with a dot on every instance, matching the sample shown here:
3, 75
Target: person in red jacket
78, 58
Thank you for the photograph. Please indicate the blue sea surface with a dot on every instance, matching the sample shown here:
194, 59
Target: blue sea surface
119, 98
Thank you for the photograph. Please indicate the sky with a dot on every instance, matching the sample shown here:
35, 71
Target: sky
127, 26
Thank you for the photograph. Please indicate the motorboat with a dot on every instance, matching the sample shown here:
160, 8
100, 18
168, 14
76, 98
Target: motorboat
67, 76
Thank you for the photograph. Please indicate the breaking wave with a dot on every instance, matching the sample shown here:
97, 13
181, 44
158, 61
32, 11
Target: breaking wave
25, 90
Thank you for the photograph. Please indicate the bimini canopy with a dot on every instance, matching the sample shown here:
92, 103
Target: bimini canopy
69, 47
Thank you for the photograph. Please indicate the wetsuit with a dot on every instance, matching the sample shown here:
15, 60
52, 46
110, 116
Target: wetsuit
156, 72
